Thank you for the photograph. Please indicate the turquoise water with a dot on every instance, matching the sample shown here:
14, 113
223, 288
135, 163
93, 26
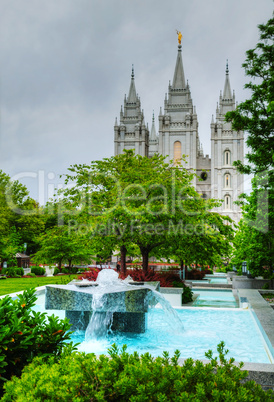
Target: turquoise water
212, 279
216, 278
204, 329
214, 298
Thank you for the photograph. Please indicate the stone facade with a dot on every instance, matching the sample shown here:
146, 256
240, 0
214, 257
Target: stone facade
178, 136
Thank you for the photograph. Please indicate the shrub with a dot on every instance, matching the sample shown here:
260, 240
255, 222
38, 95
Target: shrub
38, 270
130, 377
30, 275
25, 334
90, 275
187, 295
65, 270
195, 274
13, 272
70, 270
208, 271
19, 271
166, 279
56, 271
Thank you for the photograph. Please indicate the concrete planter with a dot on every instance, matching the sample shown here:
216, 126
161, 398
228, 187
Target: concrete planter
242, 282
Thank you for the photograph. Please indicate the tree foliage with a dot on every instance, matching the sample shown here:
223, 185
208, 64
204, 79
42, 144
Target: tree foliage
256, 115
20, 219
254, 241
59, 245
130, 199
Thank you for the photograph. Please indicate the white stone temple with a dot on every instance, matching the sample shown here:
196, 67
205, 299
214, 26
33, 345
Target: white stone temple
178, 135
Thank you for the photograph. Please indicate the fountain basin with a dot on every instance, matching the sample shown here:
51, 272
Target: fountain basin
127, 302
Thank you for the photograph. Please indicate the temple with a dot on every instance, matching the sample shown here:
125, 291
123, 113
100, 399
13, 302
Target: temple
178, 135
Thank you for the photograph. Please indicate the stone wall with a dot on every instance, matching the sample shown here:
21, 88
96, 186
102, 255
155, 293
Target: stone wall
242, 282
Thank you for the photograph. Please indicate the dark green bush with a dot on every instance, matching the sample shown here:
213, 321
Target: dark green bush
187, 295
38, 270
25, 334
31, 274
19, 271
13, 272
70, 270
208, 271
66, 270
177, 284
130, 377
56, 271
74, 270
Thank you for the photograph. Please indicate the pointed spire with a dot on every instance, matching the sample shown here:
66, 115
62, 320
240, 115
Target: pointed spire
132, 97
179, 76
153, 136
227, 91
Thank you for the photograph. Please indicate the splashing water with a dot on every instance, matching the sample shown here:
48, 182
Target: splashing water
102, 310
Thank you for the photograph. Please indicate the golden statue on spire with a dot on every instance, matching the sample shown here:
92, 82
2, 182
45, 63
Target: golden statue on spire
179, 36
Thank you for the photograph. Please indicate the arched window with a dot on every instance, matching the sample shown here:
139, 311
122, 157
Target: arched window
177, 152
227, 157
227, 202
203, 176
227, 179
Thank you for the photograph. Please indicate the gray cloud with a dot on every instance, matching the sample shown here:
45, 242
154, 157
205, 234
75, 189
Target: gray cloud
66, 65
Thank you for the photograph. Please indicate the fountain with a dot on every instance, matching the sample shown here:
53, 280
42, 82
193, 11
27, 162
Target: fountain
111, 311
108, 303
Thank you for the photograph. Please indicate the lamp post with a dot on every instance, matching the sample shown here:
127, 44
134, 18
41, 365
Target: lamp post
244, 271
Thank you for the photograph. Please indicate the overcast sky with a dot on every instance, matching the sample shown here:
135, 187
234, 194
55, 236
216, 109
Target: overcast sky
66, 65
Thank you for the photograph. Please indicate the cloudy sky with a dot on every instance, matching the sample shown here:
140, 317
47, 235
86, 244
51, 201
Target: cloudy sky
66, 65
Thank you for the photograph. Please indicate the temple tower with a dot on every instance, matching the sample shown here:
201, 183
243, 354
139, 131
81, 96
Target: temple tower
227, 146
132, 132
178, 125
153, 139
178, 137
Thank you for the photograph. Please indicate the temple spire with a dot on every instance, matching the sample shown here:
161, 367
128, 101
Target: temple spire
179, 76
153, 135
132, 97
227, 90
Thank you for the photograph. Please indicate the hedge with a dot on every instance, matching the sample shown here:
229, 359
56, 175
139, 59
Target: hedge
130, 377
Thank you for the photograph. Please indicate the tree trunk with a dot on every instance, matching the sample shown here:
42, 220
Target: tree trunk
182, 267
60, 264
145, 254
123, 251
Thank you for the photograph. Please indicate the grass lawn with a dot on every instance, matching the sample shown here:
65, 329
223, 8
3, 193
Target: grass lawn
11, 285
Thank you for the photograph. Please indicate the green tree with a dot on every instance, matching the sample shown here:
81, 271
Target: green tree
254, 240
20, 218
60, 245
129, 199
205, 242
256, 115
